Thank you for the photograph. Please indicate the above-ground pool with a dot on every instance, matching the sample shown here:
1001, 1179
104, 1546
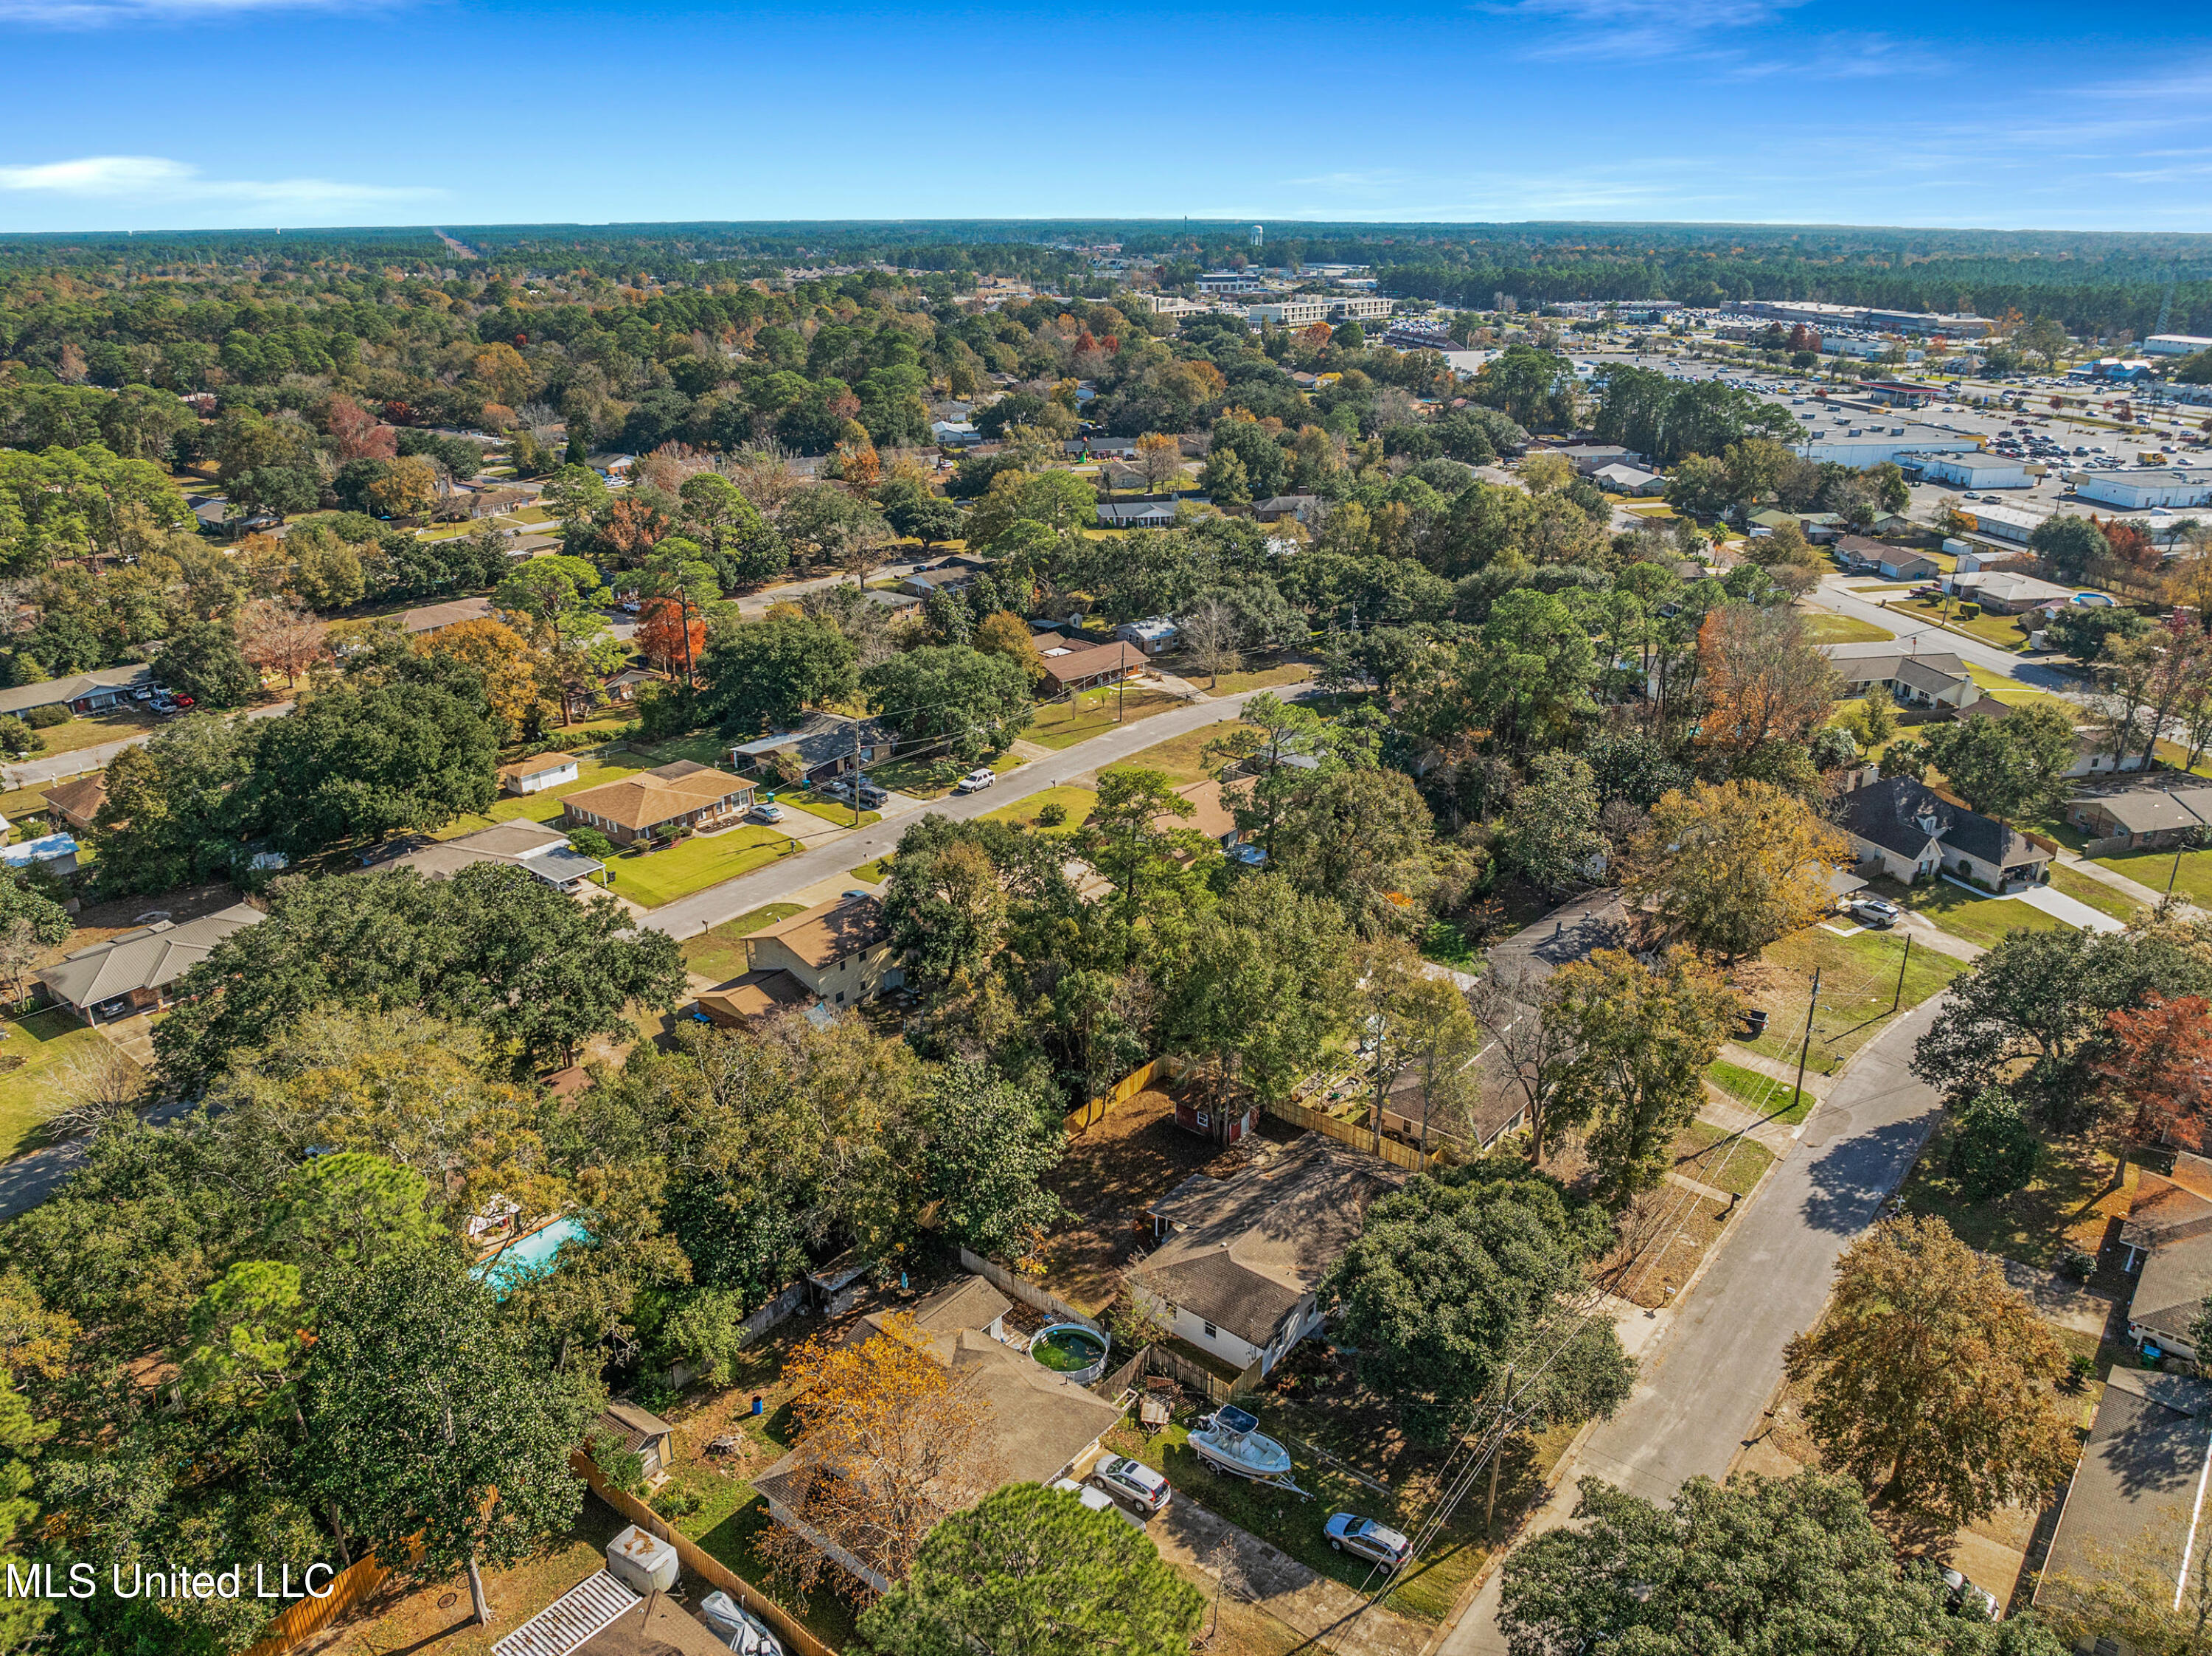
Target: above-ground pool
529, 1256
1071, 1349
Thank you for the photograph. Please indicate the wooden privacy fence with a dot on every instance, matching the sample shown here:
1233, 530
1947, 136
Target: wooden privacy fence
300, 1621
1359, 1137
701, 1563
1122, 1090
1027, 1291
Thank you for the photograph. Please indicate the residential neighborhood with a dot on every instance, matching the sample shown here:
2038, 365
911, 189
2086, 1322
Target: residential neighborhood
1146, 937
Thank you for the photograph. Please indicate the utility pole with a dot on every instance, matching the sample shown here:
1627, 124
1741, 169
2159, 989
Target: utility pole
1497, 1450
1806, 1044
856, 772
1897, 999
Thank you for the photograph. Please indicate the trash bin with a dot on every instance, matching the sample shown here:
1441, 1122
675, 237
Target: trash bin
757, 1405
1756, 1017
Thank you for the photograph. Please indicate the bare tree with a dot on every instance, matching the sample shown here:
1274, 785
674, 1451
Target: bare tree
96, 1085
20, 948
763, 474
1159, 458
1210, 632
275, 632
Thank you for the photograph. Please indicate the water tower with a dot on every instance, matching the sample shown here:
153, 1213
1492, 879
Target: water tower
1258, 235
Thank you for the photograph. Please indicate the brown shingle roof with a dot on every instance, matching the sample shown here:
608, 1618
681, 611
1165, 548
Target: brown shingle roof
536, 763
429, 617
829, 932
1089, 664
79, 801
658, 796
755, 995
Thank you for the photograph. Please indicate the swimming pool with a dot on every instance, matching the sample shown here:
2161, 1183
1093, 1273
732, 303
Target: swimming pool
529, 1257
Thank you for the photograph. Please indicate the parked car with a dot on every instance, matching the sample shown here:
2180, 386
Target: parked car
1966, 1598
976, 780
1133, 1482
1364, 1536
768, 813
144, 693
1877, 912
1098, 1501
836, 788
870, 795
186, 701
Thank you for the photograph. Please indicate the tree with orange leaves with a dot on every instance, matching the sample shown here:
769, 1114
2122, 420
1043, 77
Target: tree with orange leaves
2157, 1072
1764, 679
660, 634
632, 529
513, 671
888, 1443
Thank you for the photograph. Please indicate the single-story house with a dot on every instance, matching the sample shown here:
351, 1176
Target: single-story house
1039, 1426
1117, 448
2138, 1490
132, 973
80, 693
537, 773
954, 433
2142, 819
1912, 832
835, 954
825, 745
923, 582
435, 618
1239, 1260
2092, 757
1914, 677
1151, 635
1210, 815
2171, 1283
1897, 562
2007, 593
640, 1431
54, 853
658, 800
623, 686
1621, 478
1101, 663
2167, 1209
1136, 514
77, 803
1276, 508
1590, 459
971, 1302
542, 849
1818, 527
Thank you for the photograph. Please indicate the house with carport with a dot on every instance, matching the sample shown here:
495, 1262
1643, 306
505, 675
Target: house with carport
132, 973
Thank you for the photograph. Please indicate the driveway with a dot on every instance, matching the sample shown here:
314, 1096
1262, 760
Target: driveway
1704, 1386
2072, 910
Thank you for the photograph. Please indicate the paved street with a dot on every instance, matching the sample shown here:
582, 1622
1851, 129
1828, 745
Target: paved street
688, 916
37, 772
1707, 1380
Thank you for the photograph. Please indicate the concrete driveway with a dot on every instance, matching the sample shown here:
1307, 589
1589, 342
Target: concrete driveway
2072, 910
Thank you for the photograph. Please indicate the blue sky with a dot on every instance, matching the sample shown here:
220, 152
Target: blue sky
144, 114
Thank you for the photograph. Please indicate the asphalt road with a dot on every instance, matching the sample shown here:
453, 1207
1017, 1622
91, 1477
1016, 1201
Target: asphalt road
1706, 1380
689, 916
37, 772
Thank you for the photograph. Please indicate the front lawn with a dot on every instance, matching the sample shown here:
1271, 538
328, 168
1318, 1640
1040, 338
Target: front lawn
719, 952
1858, 980
2095, 893
31, 1057
1076, 802
83, 730
1825, 626
830, 810
1181, 759
1093, 712
1261, 678
1756, 1090
2003, 631
1969, 914
1712, 1155
2154, 868
2071, 1203
693, 865
877, 872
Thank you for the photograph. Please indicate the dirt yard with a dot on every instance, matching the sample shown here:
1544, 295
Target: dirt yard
1114, 1170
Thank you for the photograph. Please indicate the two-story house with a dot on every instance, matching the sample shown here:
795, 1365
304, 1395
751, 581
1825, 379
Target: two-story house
835, 954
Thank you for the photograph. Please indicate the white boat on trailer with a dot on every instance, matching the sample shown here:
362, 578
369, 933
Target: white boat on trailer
1230, 1441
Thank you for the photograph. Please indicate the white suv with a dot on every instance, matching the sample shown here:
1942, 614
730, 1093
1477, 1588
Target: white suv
976, 780
1133, 1482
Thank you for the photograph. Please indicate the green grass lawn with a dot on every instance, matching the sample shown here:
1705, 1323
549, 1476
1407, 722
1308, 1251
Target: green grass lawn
2154, 868
1986, 920
1076, 802
694, 864
830, 810
1823, 626
719, 952
701, 748
1092, 712
1443, 942
2095, 893
36, 1049
1261, 678
83, 730
877, 872
1755, 1090
1713, 1157
1181, 759
2003, 631
1858, 977
2068, 1204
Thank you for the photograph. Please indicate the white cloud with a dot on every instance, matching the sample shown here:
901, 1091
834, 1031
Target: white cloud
94, 14
156, 180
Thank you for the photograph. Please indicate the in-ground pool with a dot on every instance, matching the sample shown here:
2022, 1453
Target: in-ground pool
1071, 1349
531, 1256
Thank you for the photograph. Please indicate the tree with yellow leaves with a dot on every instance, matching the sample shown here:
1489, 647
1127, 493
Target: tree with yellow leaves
512, 669
1732, 867
888, 1444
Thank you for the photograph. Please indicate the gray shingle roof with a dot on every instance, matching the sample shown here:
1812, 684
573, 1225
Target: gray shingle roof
145, 959
2140, 1483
